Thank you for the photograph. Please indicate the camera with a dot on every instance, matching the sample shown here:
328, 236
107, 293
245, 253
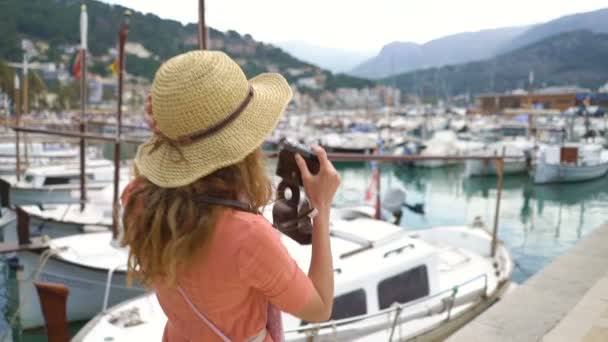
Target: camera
292, 212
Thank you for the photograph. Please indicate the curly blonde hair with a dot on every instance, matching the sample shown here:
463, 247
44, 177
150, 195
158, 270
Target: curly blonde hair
165, 227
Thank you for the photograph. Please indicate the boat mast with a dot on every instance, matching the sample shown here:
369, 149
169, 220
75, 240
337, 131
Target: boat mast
122, 40
203, 34
83, 100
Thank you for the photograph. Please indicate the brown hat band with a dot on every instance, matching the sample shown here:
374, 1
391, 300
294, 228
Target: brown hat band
184, 140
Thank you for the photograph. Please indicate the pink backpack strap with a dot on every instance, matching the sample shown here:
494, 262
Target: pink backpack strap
202, 317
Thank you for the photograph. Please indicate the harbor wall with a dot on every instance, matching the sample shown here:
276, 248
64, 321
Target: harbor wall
552, 302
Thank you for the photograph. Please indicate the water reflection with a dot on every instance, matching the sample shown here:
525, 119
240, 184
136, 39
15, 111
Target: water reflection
538, 222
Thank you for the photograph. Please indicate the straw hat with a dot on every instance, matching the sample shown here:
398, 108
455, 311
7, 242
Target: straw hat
208, 116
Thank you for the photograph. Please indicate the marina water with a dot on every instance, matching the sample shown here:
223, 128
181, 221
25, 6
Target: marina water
537, 222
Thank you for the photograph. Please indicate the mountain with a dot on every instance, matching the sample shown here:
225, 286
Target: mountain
398, 57
334, 59
596, 21
571, 58
53, 27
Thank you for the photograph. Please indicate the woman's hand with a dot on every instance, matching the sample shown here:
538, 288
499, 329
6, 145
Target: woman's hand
321, 187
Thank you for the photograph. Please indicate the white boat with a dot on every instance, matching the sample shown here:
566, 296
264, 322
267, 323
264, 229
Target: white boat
519, 153
38, 154
353, 142
570, 163
86, 264
59, 220
58, 183
445, 143
388, 281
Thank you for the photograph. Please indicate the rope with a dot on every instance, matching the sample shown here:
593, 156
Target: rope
106, 295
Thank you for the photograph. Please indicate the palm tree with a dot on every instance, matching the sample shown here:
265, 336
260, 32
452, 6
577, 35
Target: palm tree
7, 80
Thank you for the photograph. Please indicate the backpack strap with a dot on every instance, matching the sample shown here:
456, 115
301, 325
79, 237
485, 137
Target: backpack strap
202, 317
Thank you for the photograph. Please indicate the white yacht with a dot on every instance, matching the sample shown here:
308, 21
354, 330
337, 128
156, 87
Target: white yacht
570, 163
59, 183
388, 282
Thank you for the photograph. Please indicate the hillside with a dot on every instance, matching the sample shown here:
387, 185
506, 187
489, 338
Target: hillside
577, 57
53, 26
398, 57
595, 21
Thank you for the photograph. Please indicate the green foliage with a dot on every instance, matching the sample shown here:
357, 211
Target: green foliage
57, 22
345, 81
142, 67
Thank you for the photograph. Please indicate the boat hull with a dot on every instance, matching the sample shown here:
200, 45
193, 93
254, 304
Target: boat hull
86, 285
435, 163
335, 149
58, 195
556, 173
475, 168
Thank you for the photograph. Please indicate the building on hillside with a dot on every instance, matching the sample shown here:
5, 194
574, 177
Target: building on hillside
554, 99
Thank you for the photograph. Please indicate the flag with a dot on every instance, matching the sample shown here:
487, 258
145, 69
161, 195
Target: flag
77, 69
114, 67
371, 188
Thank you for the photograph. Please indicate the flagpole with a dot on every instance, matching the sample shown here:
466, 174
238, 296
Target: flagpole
203, 35
18, 123
83, 101
122, 40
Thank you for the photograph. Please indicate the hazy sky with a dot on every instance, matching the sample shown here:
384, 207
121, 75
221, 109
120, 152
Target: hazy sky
364, 25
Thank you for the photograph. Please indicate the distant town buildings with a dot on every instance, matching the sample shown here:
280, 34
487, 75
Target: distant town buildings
550, 100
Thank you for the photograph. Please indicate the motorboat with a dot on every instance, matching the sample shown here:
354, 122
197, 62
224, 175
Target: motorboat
445, 144
389, 282
572, 162
351, 142
518, 159
56, 184
59, 220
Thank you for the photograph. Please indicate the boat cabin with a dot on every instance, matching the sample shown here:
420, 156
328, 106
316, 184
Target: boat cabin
574, 154
374, 269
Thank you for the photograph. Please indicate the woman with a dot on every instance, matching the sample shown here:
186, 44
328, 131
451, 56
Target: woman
218, 268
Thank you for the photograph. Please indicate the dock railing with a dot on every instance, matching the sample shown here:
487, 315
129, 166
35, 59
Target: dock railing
499, 159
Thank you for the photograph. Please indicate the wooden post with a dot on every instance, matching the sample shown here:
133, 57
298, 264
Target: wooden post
499, 173
122, 39
53, 303
203, 36
18, 123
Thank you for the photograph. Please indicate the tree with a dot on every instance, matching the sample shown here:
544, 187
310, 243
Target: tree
37, 89
7, 80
